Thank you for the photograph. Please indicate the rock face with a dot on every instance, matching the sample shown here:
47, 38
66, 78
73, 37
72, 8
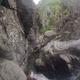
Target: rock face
13, 46
11, 36
16, 20
10, 71
25, 14
69, 27
14, 26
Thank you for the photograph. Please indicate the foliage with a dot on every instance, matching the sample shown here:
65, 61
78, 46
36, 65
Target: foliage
44, 29
50, 12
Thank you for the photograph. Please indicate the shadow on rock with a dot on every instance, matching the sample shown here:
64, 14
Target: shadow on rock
52, 67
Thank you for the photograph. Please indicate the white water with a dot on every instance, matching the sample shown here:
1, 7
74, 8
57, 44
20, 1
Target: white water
36, 1
38, 76
42, 77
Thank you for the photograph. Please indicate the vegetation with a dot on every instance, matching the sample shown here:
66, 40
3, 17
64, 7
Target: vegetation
53, 54
50, 12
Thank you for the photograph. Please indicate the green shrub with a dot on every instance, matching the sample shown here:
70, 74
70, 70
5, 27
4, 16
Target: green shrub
44, 29
51, 11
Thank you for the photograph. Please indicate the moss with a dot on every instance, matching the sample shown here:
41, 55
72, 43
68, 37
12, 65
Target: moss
44, 29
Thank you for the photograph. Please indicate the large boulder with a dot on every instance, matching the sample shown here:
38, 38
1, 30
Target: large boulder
10, 71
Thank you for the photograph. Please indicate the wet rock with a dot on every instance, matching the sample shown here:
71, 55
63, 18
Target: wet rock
53, 66
25, 13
